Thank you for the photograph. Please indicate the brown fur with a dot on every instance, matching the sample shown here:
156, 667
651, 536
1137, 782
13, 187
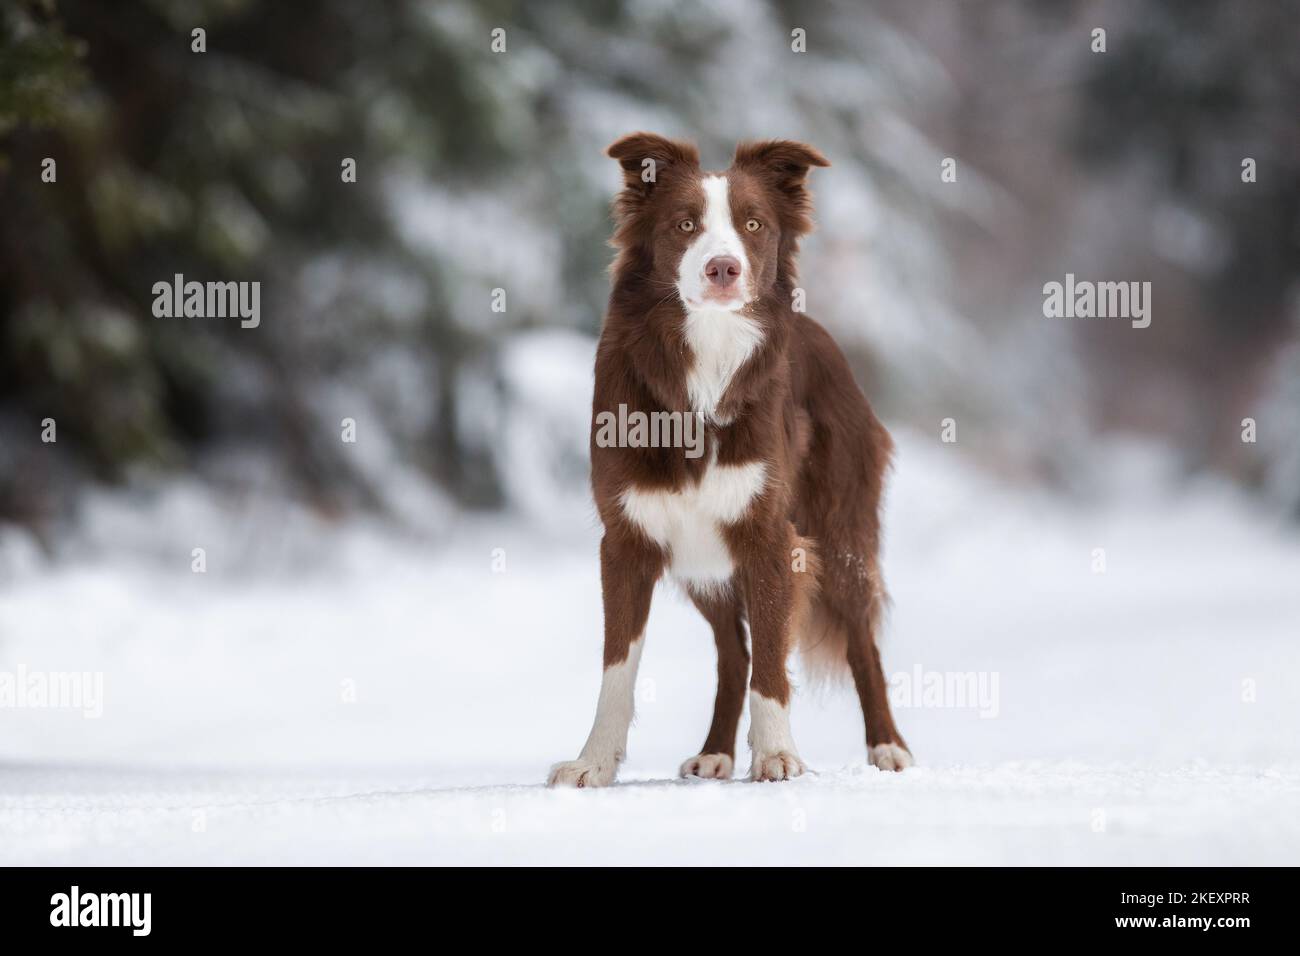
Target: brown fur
793, 403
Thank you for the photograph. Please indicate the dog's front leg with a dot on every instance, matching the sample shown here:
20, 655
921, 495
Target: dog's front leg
629, 569
769, 600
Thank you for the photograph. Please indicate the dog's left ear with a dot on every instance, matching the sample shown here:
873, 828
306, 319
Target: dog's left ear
784, 160
784, 165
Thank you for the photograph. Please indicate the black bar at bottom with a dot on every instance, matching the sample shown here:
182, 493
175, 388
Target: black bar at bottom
769, 907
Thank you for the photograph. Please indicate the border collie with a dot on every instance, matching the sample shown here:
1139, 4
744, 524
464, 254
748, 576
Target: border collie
775, 528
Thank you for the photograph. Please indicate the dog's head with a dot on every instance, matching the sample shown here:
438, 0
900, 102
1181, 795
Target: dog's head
721, 240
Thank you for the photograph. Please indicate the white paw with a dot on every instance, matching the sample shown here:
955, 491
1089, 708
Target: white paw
583, 773
708, 766
782, 765
890, 756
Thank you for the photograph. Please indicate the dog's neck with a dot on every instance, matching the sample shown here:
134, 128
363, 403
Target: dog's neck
721, 344
715, 363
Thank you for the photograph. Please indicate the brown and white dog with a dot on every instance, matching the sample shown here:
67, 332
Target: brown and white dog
776, 525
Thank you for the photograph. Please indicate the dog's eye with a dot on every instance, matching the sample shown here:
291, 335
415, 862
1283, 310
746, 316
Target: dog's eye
686, 225
753, 225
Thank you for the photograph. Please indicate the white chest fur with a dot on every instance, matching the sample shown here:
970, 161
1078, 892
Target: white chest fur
688, 522
722, 341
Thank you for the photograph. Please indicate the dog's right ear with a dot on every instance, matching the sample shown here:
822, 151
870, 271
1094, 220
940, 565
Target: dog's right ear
647, 157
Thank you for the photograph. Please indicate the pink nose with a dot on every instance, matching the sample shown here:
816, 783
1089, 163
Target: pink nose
722, 271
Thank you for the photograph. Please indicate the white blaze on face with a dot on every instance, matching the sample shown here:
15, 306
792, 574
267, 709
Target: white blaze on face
721, 337
715, 236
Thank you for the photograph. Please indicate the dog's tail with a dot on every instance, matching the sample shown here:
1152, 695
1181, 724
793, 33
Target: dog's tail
820, 635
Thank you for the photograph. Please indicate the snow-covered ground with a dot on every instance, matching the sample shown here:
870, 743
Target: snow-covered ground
346, 695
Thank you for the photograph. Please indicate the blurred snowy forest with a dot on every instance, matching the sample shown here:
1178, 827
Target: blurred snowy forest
479, 170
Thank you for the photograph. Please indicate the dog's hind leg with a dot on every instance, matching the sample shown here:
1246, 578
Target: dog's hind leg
724, 612
885, 746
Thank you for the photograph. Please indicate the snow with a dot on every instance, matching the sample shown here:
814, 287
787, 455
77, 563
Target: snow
352, 695
1020, 813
